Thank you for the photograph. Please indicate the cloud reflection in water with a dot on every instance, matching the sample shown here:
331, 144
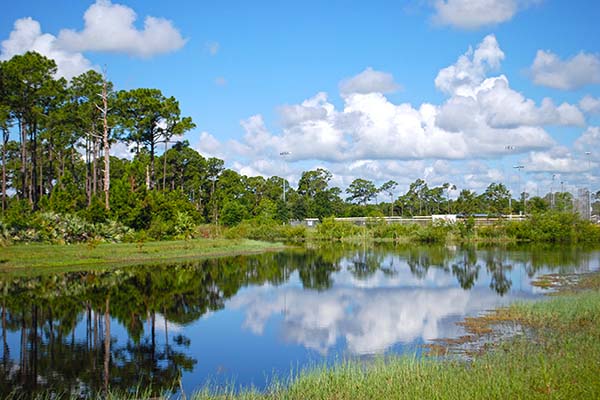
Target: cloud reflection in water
370, 320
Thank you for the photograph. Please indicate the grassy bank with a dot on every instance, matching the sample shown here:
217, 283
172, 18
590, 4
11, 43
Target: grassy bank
561, 359
30, 257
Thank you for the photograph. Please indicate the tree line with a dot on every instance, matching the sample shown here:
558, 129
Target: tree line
55, 150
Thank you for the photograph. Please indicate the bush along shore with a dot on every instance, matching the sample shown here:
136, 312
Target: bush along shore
544, 227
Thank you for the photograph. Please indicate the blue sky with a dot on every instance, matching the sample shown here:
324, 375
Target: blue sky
380, 90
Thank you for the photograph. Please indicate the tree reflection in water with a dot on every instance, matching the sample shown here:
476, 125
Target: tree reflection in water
47, 313
466, 270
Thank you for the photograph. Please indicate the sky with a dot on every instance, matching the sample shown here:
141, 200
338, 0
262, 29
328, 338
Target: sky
457, 91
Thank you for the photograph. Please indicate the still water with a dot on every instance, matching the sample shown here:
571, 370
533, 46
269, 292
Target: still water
245, 319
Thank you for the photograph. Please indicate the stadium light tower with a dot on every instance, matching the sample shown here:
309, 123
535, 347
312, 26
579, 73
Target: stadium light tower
284, 154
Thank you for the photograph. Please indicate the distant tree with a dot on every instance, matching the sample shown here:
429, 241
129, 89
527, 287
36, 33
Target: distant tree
388, 188
537, 204
361, 191
448, 187
496, 199
147, 118
5, 125
467, 202
313, 182
318, 198
93, 100
412, 202
29, 92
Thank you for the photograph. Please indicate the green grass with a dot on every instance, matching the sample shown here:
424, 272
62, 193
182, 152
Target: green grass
32, 258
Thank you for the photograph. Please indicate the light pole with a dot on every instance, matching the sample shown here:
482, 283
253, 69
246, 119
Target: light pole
552, 192
562, 194
283, 154
519, 168
509, 148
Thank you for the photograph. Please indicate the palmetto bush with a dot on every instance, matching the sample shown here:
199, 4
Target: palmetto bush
63, 228
112, 231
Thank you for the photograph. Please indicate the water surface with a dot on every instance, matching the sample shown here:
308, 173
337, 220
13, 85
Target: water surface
245, 319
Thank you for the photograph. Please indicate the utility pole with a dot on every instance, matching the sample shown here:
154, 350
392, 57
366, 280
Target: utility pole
519, 168
552, 192
509, 148
589, 194
283, 154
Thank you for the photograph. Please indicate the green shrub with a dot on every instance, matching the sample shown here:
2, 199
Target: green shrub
432, 233
253, 229
497, 231
160, 229
393, 231
330, 229
466, 228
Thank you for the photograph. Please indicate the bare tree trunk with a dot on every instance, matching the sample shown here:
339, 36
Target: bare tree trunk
152, 176
34, 162
106, 146
94, 166
88, 184
51, 159
105, 143
41, 177
23, 130
4, 143
148, 177
165, 165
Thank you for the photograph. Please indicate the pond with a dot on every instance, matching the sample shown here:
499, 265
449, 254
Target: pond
242, 320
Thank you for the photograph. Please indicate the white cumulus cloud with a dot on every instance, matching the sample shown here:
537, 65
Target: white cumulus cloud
558, 159
27, 36
209, 146
590, 105
474, 14
580, 70
110, 27
471, 68
313, 109
504, 107
372, 137
369, 81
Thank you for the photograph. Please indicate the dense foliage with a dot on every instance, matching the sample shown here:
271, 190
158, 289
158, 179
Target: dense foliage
60, 184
